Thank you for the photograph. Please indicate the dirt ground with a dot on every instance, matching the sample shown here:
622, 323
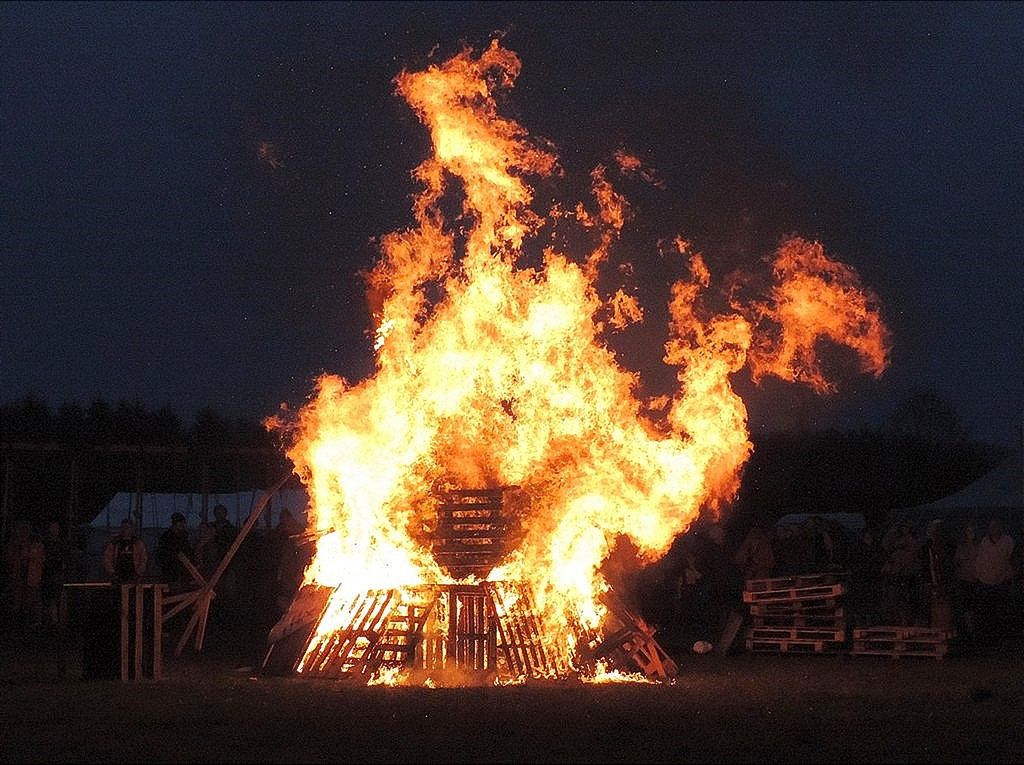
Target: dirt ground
211, 707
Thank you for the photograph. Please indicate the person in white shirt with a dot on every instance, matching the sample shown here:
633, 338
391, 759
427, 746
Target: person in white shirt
994, 570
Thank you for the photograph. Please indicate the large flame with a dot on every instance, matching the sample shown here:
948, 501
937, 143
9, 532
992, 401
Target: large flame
491, 372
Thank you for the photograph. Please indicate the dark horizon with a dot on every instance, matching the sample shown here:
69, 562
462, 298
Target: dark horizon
191, 189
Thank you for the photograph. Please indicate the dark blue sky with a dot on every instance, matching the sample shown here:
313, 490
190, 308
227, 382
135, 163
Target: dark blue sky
148, 253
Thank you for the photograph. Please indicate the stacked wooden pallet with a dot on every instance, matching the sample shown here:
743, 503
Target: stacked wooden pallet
796, 614
901, 641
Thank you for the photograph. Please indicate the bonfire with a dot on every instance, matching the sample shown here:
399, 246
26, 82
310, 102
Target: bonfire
467, 493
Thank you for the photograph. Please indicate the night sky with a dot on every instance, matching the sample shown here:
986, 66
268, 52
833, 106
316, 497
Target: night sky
188, 191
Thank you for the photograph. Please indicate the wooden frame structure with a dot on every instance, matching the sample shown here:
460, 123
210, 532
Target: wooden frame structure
475, 632
479, 633
201, 598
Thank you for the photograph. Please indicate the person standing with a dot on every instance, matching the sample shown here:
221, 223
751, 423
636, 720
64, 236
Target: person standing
966, 560
125, 556
55, 573
172, 543
994, 570
23, 563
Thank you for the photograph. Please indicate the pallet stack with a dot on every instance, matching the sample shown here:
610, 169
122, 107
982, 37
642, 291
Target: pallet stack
796, 614
901, 641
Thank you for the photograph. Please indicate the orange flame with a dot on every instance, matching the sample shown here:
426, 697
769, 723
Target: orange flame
492, 373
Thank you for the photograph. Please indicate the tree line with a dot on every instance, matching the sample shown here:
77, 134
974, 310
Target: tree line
67, 463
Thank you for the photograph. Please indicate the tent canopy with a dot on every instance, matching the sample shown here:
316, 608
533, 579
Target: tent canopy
157, 508
851, 522
999, 493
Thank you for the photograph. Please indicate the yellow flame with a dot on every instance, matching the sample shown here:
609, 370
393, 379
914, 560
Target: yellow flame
493, 373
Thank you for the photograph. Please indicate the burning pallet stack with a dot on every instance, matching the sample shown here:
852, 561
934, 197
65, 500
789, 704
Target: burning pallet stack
796, 614
483, 631
896, 641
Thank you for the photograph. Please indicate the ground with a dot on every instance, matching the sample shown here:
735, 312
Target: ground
211, 707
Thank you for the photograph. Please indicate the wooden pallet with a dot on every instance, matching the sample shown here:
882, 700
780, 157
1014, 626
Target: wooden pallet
835, 619
762, 645
814, 606
919, 634
796, 633
817, 592
796, 581
898, 648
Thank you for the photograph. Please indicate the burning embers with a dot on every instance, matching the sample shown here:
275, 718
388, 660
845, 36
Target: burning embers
493, 370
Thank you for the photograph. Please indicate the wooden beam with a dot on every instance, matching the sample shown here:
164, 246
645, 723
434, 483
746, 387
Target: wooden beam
124, 631
158, 628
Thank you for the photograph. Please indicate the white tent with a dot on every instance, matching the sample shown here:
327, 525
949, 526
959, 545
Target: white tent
851, 522
157, 508
998, 493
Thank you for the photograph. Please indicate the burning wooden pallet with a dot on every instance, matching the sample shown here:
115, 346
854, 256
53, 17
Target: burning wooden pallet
478, 632
472, 532
484, 631
896, 641
629, 643
796, 614
473, 632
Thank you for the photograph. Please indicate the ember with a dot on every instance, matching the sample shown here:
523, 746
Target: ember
468, 492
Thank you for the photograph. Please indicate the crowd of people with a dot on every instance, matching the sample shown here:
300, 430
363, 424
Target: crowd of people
35, 566
970, 582
263, 575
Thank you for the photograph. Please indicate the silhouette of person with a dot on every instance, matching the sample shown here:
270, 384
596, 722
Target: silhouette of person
125, 556
224, 531
55, 572
23, 562
172, 542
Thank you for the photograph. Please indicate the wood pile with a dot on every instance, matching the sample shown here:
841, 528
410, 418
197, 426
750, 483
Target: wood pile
797, 614
896, 641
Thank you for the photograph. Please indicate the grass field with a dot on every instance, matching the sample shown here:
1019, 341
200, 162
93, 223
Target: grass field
738, 708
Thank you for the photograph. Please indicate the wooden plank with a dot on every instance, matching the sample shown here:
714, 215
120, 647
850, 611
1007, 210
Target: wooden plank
184, 601
459, 507
487, 548
835, 620
124, 630
140, 638
796, 581
512, 660
158, 629
473, 492
817, 606
456, 534
204, 613
794, 646
902, 633
819, 592
795, 633
187, 632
